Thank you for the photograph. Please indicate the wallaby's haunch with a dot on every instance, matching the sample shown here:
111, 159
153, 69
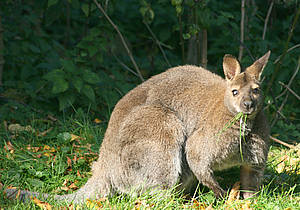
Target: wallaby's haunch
170, 130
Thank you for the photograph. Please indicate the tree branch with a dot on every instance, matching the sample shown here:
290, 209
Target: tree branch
287, 95
158, 43
289, 89
244, 46
267, 19
274, 75
124, 65
122, 39
283, 143
290, 49
291, 80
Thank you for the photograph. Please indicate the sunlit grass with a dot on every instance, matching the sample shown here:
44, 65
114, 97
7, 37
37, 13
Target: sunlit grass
59, 163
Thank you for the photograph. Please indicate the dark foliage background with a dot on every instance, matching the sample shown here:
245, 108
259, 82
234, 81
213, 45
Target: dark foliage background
58, 56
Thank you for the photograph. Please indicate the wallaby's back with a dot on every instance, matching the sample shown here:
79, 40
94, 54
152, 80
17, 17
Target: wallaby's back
177, 85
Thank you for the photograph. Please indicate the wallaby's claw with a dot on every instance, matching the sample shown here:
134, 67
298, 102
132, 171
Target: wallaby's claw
220, 194
248, 194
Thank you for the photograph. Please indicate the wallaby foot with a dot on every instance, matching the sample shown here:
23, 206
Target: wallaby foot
208, 180
250, 180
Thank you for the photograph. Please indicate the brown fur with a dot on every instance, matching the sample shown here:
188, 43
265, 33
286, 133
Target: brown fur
170, 130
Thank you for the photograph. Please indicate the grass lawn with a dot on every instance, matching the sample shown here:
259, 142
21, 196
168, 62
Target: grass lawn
50, 155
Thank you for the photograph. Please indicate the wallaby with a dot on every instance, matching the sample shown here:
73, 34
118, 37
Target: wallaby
170, 131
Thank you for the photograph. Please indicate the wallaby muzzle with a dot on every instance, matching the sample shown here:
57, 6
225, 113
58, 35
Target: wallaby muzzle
248, 105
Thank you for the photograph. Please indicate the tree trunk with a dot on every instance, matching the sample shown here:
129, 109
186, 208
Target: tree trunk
242, 30
204, 48
1, 51
192, 53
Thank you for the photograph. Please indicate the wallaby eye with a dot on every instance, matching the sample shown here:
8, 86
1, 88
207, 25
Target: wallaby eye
255, 91
235, 92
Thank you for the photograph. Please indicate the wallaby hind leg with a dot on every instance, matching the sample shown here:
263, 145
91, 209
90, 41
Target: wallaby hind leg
200, 160
150, 155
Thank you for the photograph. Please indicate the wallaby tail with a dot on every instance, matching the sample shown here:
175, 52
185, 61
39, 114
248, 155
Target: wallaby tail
22, 195
25, 196
91, 190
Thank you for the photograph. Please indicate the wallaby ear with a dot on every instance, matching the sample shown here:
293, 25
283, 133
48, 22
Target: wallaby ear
256, 69
231, 67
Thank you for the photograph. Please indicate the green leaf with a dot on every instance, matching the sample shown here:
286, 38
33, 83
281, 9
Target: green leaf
95, 32
52, 2
227, 15
85, 9
90, 77
176, 2
34, 48
35, 182
178, 9
59, 85
40, 174
44, 45
75, 4
54, 75
65, 136
88, 91
186, 36
78, 83
143, 11
93, 49
81, 161
68, 65
66, 100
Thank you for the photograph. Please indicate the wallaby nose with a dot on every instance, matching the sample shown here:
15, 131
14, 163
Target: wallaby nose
248, 104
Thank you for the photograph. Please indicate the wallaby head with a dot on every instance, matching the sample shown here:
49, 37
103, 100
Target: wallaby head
243, 92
